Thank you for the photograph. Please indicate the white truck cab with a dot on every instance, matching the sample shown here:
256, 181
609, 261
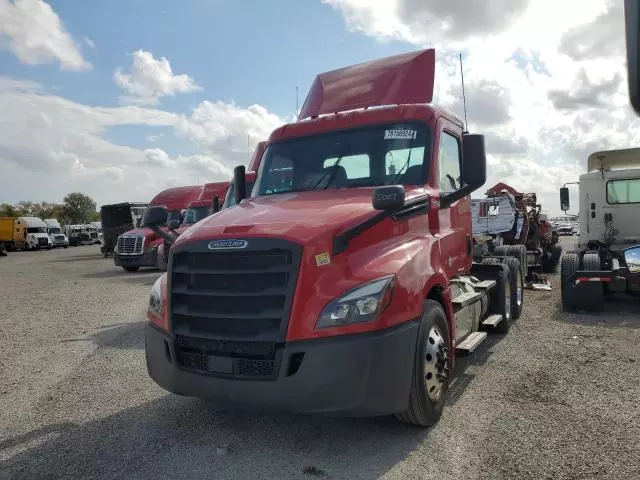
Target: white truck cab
36, 233
606, 258
56, 234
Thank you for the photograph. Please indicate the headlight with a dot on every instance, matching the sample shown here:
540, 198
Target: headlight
364, 303
155, 299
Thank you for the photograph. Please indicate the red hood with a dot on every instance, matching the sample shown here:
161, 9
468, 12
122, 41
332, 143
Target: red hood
297, 216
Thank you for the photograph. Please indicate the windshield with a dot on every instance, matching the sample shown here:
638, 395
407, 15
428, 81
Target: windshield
36, 230
361, 157
195, 214
230, 199
55, 230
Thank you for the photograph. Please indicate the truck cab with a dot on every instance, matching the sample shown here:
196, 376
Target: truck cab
343, 282
138, 247
36, 233
606, 258
56, 234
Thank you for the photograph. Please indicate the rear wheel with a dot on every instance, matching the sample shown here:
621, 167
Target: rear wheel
570, 264
430, 378
500, 300
550, 262
516, 280
591, 294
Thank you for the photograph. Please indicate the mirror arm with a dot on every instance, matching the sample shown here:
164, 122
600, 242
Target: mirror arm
447, 199
169, 237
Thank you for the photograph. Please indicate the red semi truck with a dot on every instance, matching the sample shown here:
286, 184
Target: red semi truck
138, 247
345, 283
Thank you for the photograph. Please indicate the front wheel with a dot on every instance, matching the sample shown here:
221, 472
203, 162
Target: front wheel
430, 378
131, 269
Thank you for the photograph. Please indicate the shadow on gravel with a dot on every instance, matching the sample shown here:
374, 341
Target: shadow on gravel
122, 274
78, 258
172, 437
619, 311
126, 336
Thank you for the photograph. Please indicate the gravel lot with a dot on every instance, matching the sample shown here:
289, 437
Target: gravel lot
557, 398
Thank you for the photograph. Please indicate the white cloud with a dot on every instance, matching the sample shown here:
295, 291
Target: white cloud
50, 146
33, 32
151, 79
545, 80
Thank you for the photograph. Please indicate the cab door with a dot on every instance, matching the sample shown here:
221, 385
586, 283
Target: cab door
454, 220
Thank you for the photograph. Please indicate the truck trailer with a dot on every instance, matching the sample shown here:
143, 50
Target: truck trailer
606, 259
345, 283
12, 233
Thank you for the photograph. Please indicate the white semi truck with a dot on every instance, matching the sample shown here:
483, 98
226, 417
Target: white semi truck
606, 259
36, 233
56, 234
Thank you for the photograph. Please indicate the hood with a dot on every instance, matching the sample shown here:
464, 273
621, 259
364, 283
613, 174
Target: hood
147, 233
298, 216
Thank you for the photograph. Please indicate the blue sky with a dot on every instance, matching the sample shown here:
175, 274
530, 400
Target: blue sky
250, 51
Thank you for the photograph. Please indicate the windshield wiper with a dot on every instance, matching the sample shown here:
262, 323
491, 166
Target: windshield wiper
401, 171
334, 168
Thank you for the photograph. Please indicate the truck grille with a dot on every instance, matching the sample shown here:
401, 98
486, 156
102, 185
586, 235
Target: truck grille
230, 309
59, 237
93, 235
130, 244
43, 242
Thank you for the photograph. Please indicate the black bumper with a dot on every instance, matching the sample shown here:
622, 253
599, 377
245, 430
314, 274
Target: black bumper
358, 375
147, 259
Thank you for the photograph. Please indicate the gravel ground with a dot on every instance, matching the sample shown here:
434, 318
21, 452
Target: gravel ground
556, 398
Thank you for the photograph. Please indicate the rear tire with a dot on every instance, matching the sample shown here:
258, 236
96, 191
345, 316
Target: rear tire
516, 278
570, 264
501, 300
431, 369
592, 294
131, 269
550, 264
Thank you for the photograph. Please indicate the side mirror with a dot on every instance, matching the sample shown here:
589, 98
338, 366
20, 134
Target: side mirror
215, 204
632, 30
474, 161
632, 259
389, 197
173, 224
564, 199
154, 216
240, 181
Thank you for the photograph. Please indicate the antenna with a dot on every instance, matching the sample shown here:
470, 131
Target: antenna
464, 98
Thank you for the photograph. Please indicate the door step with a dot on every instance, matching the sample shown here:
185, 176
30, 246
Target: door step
485, 284
466, 299
492, 320
471, 342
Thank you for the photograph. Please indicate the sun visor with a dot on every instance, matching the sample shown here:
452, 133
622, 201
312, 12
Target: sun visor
401, 79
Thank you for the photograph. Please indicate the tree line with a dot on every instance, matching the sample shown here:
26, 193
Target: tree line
76, 208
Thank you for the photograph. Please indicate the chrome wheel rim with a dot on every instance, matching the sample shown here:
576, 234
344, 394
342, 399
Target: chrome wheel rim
436, 363
507, 300
519, 290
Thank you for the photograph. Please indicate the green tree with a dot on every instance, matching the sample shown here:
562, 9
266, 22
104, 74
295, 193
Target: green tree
78, 208
8, 210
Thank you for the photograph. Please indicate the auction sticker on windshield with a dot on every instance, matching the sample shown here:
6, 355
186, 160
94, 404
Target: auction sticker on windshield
400, 134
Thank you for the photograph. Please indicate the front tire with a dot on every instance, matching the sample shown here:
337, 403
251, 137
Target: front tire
516, 279
131, 269
430, 377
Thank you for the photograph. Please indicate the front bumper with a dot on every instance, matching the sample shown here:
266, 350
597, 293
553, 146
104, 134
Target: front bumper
358, 375
147, 259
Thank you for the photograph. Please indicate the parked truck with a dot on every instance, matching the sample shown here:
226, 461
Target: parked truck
56, 234
208, 203
138, 247
515, 226
36, 233
345, 283
606, 259
12, 233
